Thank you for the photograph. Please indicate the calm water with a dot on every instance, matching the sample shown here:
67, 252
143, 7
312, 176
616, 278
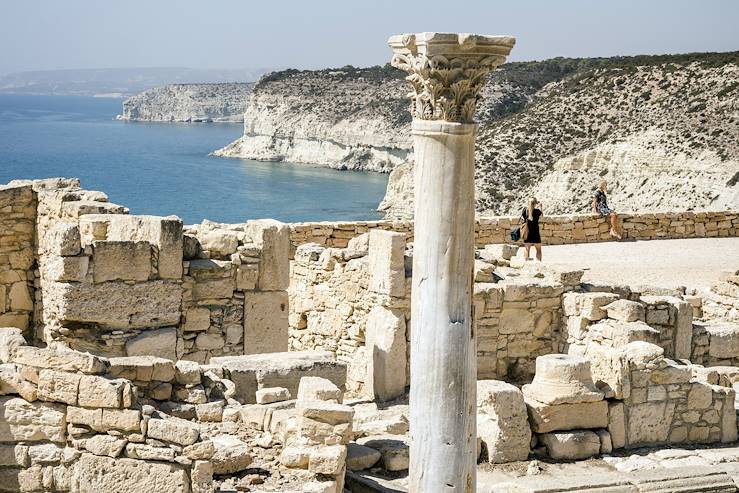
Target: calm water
157, 168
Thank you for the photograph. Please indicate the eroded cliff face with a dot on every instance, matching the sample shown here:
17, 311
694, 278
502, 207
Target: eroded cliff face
663, 131
189, 103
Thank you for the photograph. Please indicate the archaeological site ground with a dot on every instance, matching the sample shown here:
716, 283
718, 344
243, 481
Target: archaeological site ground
140, 354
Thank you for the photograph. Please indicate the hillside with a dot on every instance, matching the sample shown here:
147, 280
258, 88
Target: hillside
663, 130
189, 103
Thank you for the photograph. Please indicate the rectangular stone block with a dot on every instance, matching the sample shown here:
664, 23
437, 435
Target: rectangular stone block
265, 322
617, 424
121, 261
31, 421
101, 392
59, 359
95, 474
65, 269
273, 239
116, 304
92, 418
558, 417
387, 263
386, 350
58, 386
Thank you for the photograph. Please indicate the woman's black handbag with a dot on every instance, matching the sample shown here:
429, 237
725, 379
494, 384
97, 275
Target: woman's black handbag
516, 233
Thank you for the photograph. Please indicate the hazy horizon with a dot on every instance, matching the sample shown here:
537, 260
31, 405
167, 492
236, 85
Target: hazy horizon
230, 34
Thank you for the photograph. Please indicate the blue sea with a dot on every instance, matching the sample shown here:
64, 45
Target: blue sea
164, 168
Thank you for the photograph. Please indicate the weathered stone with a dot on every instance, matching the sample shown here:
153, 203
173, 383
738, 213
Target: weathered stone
58, 386
14, 455
329, 460
142, 368
649, 423
221, 243
187, 372
174, 430
116, 304
592, 304
62, 239
273, 239
231, 455
12, 382
148, 452
545, 418
105, 445
272, 394
59, 359
102, 392
625, 310
252, 372
10, 339
501, 421
207, 342
571, 445
19, 297
617, 424
386, 348
394, 450
202, 477
723, 340
359, 457
196, 319
320, 487
386, 262
295, 457
318, 389
325, 412
210, 412
31, 422
92, 418
700, 396
265, 322
121, 261
45, 454
561, 379
200, 450
95, 474
162, 343
122, 419
66, 269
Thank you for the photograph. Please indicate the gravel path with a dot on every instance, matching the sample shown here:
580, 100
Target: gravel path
694, 263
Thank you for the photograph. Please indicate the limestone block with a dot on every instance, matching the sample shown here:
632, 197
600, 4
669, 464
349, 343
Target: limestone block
148, 452
318, 389
252, 372
221, 243
295, 456
499, 251
723, 340
610, 369
394, 450
273, 394
208, 342
273, 239
247, 276
95, 474
187, 372
58, 386
577, 327
161, 343
231, 454
200, 450
625, 311
161, 391
210, 412
387, 263
31, 422
102, 392
196, 319
10, 339
92, 418
62, 239
163, 232
105, 445
387, 353
571, 445
359, 457
684, 330
66, 269
201, 476
265, 322
640, 354
12, 382
329, 460
562, 379
19, 297
47, 453
116, 304
19, 320
121, 261
622, 333
673, 373
320, 487
561, 417
174, 430
122, 419
700, 396
592, 304
502, 421
59, 359
617, 424
649, 423
325, 412
142, 368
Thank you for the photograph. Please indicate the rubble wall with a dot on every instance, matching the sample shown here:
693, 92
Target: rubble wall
555, 230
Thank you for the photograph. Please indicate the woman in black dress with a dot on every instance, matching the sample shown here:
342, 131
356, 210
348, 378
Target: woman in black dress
600, 207
531, 215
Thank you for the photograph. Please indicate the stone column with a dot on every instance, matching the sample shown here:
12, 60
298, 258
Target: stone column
447, 72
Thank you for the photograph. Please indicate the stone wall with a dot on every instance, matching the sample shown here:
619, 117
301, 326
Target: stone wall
17, 217
555, 230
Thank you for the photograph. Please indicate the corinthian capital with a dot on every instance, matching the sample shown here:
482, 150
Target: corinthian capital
447, 71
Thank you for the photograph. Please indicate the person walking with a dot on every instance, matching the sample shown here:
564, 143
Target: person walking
600, 207
531, 215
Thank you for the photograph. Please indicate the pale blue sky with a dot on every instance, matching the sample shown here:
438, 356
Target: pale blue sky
58, 34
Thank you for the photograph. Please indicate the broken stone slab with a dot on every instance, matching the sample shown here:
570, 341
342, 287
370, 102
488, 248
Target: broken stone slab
394, 450
173, 430
592, 305
220, 243
273, 394
581, 483
231, 454
60, 359
387, 262
252, 372
359, 457
694, 478
325, 412
95, 474
562, 379
97, 391
545, 418
571, 445
723, 339
318, 389
149, 452
328, 460
386, 344
31, 421
273, 240
142, 368
106, 445
625, 311
502, 421
11, 338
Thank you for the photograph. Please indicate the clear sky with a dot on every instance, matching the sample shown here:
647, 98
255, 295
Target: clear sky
58, 34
